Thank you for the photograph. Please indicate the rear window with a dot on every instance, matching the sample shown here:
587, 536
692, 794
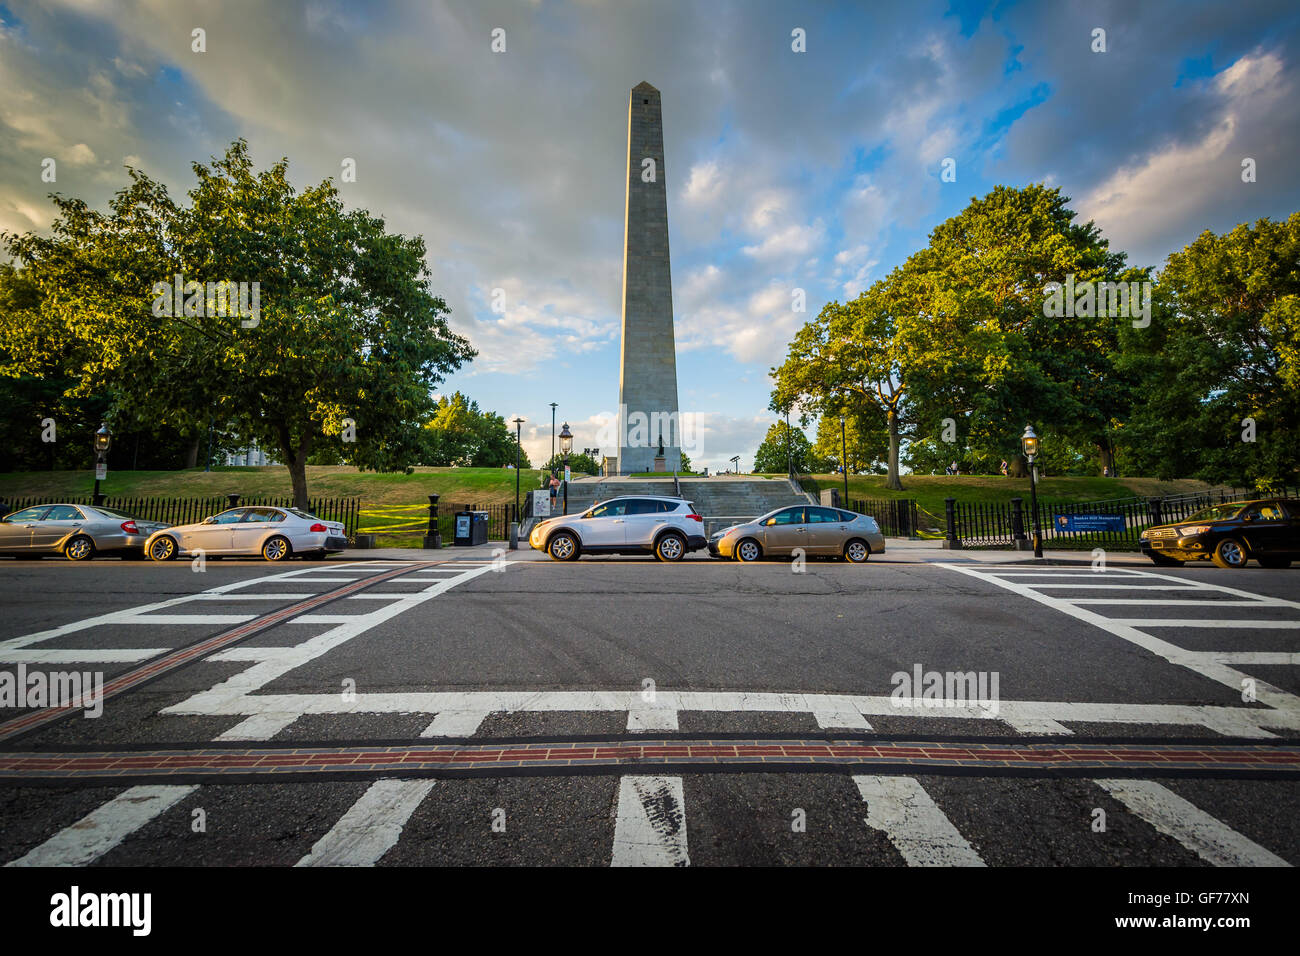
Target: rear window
303, 514
114, 513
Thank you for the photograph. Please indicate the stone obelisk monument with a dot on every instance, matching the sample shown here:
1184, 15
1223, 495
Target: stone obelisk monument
647, 387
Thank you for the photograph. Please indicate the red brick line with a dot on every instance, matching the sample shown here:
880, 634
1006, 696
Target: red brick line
184, 655
433, 758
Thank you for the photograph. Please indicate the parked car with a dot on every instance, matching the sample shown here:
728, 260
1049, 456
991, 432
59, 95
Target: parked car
79, 532
1267, 530
668, 528
817, 530
274, 533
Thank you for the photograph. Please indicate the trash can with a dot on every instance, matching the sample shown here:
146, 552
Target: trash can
471, 528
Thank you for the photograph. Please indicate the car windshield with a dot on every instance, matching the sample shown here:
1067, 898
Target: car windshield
1215, 513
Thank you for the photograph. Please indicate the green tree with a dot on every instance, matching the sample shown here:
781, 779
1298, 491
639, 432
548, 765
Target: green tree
1222, 352
341, 347
850, 360
459, 433
866, 448
579, 464
772, 455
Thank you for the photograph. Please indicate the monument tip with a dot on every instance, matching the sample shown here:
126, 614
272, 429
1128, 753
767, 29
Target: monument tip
644, 87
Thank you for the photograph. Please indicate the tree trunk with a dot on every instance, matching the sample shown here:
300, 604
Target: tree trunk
192, 453
892, 482
1107, 456
298, 475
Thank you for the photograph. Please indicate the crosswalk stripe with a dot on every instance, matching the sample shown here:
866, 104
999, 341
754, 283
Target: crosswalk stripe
1208, 838
650, 829
371, 827
900, 807
104, 827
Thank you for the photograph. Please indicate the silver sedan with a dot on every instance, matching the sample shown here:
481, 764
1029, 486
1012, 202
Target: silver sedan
77, 531
274, 533
831, 532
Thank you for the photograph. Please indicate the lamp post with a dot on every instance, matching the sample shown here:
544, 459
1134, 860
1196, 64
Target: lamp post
518, 423
103, 440
735, 460
566, 445
844, 461
789, 451
553, 404
1029, 445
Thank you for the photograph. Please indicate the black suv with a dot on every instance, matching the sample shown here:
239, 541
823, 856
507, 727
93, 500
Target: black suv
1267, 530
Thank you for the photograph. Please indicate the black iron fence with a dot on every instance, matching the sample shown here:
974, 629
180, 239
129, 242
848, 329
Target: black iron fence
412, 521
176, 511
1065, 524
897, 517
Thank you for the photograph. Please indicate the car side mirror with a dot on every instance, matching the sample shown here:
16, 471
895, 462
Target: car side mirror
769, 522
209, 520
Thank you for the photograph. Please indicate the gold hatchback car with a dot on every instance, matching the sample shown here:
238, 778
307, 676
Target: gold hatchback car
831, 532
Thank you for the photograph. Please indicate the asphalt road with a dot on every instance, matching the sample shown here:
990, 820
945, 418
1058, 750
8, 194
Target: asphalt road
619, 710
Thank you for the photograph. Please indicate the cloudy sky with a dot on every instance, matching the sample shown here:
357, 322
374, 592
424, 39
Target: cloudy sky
818, 170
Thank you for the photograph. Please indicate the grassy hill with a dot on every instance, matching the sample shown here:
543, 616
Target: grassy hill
458, 485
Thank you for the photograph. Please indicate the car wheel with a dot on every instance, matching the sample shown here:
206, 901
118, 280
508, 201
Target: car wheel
162, 549
670, 547
857, 551
1164, 561
1274, 562
80, 548
562, 546
748, 550
1229, 553
276, 549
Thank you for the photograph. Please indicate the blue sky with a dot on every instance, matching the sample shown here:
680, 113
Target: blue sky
817, 170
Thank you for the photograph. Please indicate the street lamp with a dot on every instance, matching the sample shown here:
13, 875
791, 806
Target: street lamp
844, 461
789, 451
566, 446
553, 404
103, 440
735, 460
1029, 445
518, 423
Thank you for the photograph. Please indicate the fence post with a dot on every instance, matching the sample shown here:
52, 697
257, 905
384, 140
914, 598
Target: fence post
951, 541
433, 539
1018, 536
1153, 507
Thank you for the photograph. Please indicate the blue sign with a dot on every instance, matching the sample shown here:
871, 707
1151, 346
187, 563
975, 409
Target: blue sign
1089, 522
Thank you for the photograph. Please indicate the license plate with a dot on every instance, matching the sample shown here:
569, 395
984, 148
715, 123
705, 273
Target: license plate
1157, 544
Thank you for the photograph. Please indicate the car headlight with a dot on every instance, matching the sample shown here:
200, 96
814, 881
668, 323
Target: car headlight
1143, 536
1194, 529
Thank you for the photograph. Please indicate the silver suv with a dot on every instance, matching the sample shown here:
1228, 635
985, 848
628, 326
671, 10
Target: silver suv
668, 528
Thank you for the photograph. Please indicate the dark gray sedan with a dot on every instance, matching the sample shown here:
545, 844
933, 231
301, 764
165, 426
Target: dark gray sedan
77, 531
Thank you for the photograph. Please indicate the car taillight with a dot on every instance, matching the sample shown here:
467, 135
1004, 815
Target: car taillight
130, 528
695, 517
317, 528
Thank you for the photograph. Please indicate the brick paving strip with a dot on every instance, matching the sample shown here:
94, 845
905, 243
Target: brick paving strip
265, 763
170, 661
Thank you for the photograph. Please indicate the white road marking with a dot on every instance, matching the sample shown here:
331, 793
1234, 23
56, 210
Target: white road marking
1183, 602
1210, 839
1204, 622
123, 655
455, 723
651, 718
229, 700
128, 615
189, 619
650, 828
900, 807
259, 726
332, 580
104, 827
1285, 705
371, 827
286, 596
